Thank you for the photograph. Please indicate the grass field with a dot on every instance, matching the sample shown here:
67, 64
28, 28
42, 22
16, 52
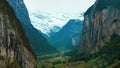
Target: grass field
58, 60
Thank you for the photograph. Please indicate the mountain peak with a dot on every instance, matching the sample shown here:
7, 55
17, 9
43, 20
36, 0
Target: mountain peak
74, 21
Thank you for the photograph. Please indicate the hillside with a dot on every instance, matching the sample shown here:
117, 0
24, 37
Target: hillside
68, 37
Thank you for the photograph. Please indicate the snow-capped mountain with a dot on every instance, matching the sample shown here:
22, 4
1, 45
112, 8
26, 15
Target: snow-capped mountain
48, 22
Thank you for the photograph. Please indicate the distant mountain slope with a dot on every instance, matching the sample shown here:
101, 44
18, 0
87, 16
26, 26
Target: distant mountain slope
68, 36
39, 43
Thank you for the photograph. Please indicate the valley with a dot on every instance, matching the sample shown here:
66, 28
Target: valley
35, 38
99, 45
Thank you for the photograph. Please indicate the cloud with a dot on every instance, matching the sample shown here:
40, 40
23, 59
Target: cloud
59, 5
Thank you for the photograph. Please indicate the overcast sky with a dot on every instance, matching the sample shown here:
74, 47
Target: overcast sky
59, 5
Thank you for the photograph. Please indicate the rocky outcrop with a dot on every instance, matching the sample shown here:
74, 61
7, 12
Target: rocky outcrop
39, 43
15, 50
102, 20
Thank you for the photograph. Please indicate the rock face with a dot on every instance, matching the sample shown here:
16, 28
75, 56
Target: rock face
39, 43
15, 50
68, 37
102, 20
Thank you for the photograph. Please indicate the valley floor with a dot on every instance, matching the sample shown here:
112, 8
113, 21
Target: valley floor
59, 60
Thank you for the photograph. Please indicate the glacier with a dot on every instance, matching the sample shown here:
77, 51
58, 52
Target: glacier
47, 22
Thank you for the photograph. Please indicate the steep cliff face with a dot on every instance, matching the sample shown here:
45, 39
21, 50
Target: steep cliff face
39, 43
15, 50
102, 21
